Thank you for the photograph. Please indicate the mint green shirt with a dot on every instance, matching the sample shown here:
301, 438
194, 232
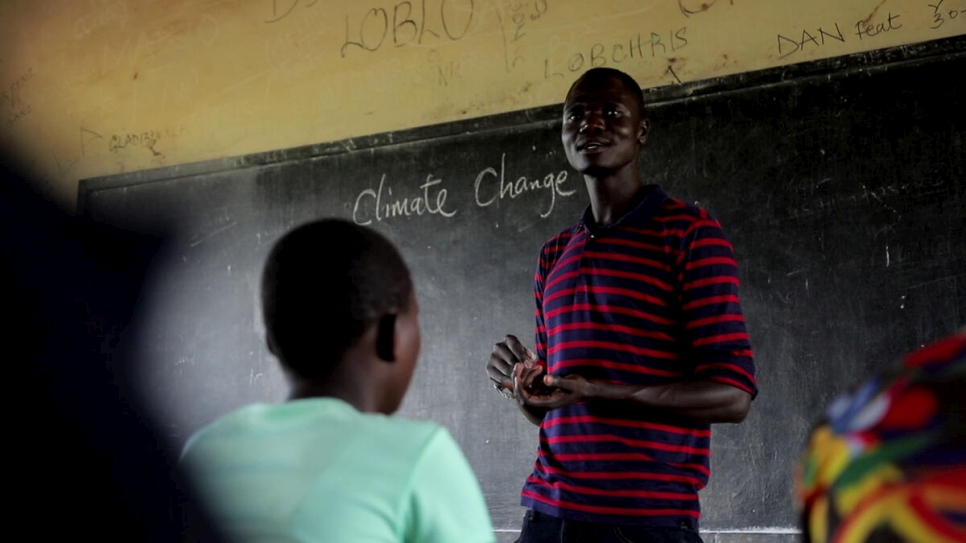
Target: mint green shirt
319, 470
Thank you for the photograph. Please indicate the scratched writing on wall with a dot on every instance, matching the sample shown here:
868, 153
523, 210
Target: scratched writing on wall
833, 33
146, 140
13, 107
944, 11
516, 19
693, 7
426, 22
564, 59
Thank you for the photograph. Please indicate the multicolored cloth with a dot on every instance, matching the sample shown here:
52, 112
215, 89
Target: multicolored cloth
888, 463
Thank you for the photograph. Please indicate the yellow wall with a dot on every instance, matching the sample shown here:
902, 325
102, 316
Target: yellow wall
97, 87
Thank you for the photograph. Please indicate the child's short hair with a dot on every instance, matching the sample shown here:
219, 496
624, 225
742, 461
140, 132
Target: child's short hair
324, 284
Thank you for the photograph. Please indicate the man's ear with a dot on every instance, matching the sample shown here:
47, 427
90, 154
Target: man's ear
644, 132
386, 337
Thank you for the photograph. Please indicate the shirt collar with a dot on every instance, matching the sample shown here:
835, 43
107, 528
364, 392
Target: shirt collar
636, 218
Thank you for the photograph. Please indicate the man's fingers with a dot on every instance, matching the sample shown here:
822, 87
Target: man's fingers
556, 381
506, 382
518, 349
500, 365
503, 352
511, 366
519, 392
498, 370
546, 402
530, 374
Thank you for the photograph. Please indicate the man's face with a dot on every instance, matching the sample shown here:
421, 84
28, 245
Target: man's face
602, 127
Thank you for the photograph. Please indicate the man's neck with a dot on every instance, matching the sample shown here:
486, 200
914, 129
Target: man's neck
613, 197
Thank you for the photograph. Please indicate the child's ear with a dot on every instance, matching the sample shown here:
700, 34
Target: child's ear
386, 338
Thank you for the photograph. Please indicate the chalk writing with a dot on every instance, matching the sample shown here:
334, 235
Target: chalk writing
445, 69
114, 13
690, 7
180, 85
491, 186
450, 69
639, 47
200, 32
286, 50
188, 35
809, 40
941, 14
406, 23
879, 193
146, 140
12, 106
487, 190
827, 195
513, 24
379, 204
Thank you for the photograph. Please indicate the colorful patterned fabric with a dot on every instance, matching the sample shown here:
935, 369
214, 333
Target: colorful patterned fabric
888, 464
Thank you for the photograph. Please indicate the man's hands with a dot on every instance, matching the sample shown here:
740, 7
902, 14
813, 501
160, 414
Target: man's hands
514, 367
517, 373
506, 357
550, 391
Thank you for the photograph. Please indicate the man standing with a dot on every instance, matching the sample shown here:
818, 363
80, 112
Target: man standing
640, 342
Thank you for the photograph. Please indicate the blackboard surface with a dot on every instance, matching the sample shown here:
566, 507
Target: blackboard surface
840, 184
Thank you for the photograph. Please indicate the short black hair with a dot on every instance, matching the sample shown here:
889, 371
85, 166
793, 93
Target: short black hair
602, 72
324, 284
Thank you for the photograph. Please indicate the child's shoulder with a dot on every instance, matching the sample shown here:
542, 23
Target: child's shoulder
403, 432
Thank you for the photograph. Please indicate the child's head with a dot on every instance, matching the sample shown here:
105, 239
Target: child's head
338, 301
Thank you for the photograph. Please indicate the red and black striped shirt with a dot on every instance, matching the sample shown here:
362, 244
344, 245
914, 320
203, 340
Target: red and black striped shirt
651, 299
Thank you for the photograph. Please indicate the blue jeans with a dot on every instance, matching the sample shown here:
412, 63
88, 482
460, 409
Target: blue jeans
543, 528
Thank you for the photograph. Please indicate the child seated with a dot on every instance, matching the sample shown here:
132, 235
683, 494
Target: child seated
329, 464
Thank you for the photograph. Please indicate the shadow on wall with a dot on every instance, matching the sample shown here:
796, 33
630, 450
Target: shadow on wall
88, 458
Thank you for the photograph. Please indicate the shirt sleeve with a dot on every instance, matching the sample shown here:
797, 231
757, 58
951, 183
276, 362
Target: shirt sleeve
714, 324
446, 504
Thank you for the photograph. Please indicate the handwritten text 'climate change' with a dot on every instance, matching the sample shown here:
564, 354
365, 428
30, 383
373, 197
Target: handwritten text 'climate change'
491, 185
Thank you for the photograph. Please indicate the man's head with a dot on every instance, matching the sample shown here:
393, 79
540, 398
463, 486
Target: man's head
603, 75
330, 288
604, 122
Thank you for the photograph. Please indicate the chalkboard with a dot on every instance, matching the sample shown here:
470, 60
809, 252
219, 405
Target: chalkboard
839, 182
